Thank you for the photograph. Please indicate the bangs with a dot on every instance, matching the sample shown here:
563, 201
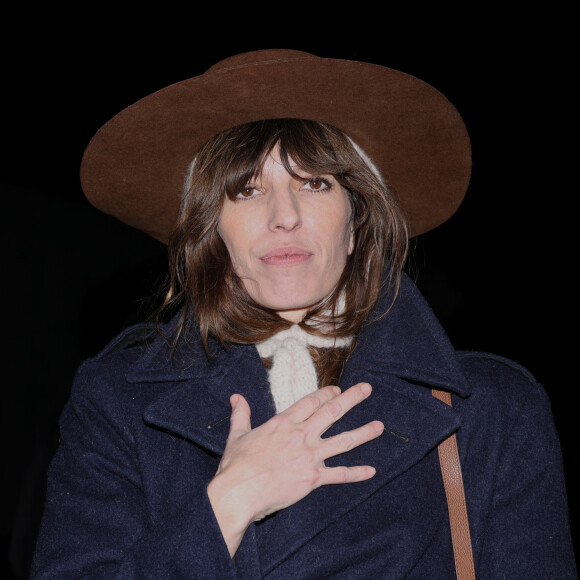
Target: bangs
303, 146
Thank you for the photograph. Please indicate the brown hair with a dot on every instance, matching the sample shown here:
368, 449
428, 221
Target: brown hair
202, 280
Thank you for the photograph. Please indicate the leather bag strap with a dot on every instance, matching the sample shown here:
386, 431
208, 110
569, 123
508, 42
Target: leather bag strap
453, 482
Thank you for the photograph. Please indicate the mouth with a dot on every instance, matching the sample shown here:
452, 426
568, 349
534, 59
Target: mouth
288, 256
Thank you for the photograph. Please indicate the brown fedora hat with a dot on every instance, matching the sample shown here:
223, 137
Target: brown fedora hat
135, 165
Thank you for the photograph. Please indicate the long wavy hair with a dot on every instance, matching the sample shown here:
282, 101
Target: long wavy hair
203, 284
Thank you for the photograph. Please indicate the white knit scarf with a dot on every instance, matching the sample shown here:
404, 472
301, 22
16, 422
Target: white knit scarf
293, 375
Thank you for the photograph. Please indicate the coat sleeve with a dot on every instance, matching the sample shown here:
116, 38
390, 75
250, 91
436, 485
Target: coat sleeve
527, 533
96, 522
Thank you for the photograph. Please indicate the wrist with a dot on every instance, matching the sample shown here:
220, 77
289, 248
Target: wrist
229, 511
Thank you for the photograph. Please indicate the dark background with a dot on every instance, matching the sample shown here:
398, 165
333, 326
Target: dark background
499, 274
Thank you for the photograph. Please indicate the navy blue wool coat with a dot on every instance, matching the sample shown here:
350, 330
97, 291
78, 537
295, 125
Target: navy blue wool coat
142, 437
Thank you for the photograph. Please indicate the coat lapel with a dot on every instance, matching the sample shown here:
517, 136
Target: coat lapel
196, 403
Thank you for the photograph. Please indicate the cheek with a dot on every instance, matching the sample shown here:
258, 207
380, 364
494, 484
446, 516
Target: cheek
339, 239
226, 233
346, 223
236, 239
346, 229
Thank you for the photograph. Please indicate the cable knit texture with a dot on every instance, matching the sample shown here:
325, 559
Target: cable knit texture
293, 375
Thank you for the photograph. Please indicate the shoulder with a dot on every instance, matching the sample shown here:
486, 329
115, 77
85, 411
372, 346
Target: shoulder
496, 369
106, 376
145, 358
123, 351
136, 336
500, 386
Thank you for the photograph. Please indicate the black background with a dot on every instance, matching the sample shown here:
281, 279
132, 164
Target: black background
499, 274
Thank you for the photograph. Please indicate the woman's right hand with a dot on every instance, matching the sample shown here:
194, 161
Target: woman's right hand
277, 464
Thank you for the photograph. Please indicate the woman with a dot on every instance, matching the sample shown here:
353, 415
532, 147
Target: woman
220, 445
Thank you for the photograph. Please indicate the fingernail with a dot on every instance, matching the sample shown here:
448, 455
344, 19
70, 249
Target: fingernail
366, 388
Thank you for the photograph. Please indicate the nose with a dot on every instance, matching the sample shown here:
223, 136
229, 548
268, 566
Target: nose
284, 210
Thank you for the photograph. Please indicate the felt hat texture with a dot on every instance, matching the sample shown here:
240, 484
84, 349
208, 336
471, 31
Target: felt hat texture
135, 165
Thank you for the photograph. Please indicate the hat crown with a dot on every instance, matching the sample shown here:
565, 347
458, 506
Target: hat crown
259, 57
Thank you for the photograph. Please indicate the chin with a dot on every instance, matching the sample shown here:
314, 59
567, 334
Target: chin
288, 305
282, 297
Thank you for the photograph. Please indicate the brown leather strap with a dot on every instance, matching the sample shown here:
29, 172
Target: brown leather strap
453, 482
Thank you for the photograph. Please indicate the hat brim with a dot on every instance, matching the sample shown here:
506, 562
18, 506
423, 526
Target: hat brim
135, 165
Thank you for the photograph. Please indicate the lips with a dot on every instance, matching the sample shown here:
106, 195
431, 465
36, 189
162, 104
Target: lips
286, 256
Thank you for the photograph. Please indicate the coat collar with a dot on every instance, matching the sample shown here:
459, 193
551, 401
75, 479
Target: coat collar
407, 344
410, 343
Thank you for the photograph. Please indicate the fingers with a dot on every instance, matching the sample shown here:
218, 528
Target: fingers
343, 474
240, 421
335, 408
328, 404
305, 407
348, 440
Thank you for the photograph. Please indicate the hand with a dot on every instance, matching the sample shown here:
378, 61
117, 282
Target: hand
277, 464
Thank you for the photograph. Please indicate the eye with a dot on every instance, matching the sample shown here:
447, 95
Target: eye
247, 193
317, 184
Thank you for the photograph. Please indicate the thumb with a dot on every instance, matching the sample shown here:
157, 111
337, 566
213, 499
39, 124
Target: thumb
240, 422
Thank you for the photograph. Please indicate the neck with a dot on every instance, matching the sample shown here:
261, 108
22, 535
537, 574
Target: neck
295, 315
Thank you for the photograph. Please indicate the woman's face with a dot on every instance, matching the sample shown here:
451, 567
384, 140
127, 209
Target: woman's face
288, 238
